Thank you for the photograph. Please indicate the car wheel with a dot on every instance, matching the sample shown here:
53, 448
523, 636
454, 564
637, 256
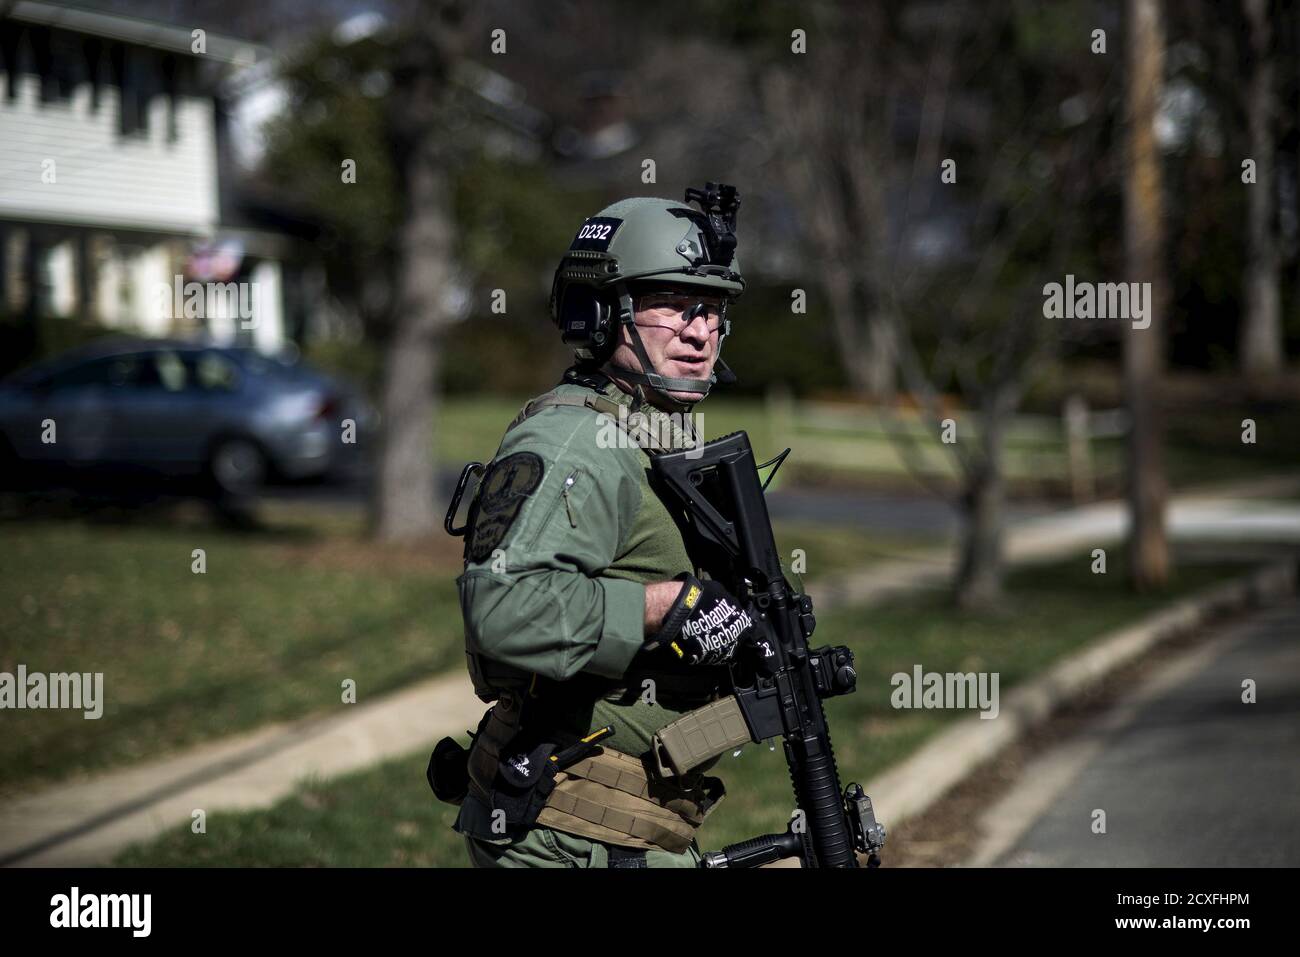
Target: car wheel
237, 466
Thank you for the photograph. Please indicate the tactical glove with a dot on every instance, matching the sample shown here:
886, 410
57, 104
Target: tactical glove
705, 624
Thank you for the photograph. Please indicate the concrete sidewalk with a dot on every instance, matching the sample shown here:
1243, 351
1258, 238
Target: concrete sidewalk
85, 822
1228, 516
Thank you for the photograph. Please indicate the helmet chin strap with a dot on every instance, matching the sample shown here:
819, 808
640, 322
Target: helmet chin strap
659, 384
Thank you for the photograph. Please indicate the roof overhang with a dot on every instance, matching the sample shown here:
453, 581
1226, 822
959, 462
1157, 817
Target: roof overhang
149, 33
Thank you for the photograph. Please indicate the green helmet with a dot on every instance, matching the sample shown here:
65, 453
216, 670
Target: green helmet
646, 240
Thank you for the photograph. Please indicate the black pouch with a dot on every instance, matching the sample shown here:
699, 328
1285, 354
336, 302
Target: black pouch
448, 771
525, 779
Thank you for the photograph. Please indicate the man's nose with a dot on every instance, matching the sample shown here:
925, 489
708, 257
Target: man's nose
697, 323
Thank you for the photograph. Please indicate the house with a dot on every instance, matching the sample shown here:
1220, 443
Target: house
118, 200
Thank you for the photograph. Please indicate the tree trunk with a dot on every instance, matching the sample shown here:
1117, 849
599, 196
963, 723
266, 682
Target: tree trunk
980, 568
403, 504
1143, 360
853, 354
820, 142
882, 354
868, 349
1261, 347
979, 572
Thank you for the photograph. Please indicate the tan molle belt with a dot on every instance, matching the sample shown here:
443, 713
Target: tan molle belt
612, 799
609, 797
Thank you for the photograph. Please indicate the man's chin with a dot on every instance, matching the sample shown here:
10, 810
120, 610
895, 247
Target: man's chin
684, 370
701, 372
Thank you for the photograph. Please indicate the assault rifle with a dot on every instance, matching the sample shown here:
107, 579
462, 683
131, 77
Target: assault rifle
779, 682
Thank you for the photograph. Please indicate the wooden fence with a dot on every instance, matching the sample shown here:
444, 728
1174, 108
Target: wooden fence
1078, 453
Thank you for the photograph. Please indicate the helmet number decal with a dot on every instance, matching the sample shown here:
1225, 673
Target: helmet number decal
596, 233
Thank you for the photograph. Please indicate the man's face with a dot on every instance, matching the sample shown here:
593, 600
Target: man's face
680, 340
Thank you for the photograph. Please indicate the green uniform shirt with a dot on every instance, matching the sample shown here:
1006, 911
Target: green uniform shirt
562, 548
558, 590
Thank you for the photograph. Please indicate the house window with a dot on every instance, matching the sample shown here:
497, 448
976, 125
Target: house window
92, 52
170, 86
64, 71
132, 77
10, 35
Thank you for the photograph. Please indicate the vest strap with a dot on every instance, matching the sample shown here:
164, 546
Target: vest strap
645, 429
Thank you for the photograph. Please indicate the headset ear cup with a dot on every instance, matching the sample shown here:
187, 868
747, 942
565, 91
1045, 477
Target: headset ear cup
554, 302
585, 320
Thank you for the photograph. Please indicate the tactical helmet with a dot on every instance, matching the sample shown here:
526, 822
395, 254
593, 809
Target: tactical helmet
643, 240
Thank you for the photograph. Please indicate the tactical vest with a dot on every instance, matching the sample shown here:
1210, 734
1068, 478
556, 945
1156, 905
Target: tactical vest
696, 687
656, 801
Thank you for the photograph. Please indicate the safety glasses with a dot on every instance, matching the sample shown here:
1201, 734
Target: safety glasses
673, 309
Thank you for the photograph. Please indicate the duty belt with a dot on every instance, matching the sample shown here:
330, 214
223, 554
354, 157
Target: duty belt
608, 797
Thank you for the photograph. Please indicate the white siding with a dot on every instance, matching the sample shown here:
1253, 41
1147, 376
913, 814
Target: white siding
102, 178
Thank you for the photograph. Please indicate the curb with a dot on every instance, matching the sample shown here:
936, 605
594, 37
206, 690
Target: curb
84, 823
911, 787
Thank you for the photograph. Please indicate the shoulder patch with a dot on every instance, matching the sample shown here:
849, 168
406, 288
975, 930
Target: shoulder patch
507, 484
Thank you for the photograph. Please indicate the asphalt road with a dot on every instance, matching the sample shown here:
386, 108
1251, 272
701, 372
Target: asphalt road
1187, 774
872, 511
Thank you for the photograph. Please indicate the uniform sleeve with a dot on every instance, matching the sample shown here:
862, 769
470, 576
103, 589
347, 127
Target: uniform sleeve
538, 600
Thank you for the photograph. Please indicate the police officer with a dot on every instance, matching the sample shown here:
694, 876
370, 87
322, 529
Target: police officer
587, 623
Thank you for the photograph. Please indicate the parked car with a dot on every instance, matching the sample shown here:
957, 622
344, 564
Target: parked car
173, 408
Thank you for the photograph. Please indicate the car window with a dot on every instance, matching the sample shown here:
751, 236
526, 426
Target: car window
171, 372
110, 372
256, 365
214, 372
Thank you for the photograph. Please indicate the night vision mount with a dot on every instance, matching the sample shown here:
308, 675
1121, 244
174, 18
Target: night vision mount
719, 203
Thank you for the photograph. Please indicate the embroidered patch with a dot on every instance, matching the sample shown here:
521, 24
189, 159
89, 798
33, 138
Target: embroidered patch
505, 488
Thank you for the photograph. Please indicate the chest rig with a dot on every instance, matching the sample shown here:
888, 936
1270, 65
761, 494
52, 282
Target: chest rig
653, 432
516, 771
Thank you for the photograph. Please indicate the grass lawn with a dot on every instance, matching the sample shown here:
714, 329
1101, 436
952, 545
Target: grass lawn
470, 429
282, 616
1203, 445
386, 816
278, 621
